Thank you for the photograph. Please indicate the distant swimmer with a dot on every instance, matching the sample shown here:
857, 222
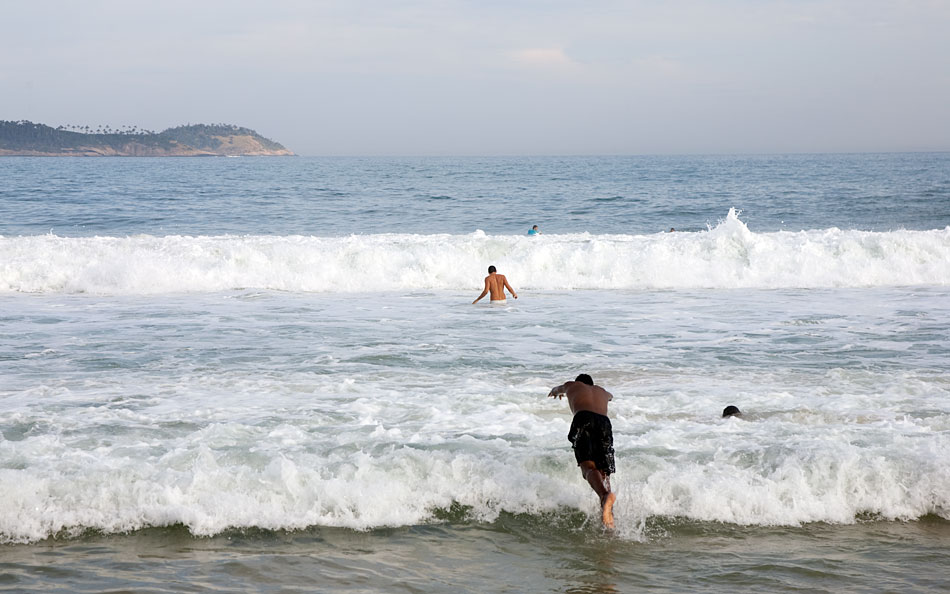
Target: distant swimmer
672, 230
534, 231
592, 438
731, 411
496, 284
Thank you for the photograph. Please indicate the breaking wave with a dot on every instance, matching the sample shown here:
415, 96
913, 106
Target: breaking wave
726, 256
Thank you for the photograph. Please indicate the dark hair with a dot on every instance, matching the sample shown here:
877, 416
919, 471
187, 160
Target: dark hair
730, 411
585, 379
491, 269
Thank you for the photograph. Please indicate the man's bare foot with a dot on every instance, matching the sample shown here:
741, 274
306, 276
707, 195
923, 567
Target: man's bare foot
607, 507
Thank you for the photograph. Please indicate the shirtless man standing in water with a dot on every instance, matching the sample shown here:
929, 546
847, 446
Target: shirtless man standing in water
591, 437
496, 284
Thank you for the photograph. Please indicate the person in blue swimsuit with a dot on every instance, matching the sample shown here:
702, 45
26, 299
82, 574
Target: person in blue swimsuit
534, 231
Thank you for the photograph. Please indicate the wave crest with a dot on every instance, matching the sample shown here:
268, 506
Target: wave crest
726, 256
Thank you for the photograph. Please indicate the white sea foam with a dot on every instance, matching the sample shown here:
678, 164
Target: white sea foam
287, 409
729, 255
363, 455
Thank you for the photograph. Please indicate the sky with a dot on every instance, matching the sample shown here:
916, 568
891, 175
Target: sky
493, 77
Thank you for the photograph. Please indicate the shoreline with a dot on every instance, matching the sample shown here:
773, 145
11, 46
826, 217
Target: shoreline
523, 552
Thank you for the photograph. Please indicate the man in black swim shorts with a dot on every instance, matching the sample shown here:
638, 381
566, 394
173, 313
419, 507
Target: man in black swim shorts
591, 437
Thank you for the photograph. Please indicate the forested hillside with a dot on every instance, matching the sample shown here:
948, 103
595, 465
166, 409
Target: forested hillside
27, 138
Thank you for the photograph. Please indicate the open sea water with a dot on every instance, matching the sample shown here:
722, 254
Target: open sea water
254, 374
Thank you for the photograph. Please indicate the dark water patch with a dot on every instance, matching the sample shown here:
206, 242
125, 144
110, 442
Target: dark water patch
386, 360
613, 199
47, 320
456, 513
20, 430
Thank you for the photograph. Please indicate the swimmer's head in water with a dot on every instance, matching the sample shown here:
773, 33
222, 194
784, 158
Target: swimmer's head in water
491, 269
585, 379
731, 411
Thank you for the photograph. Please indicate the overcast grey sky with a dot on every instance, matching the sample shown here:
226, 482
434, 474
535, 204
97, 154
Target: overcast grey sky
493, 77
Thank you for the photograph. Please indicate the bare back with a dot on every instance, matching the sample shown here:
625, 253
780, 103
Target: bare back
591, 438
580, 397
495, 284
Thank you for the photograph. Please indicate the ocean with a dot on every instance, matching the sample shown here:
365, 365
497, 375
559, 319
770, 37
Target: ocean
267, 374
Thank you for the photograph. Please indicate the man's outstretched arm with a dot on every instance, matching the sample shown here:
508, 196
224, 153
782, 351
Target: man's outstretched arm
510, 290
559, 391
485, 292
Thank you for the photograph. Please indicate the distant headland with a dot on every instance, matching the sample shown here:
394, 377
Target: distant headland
25, 138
